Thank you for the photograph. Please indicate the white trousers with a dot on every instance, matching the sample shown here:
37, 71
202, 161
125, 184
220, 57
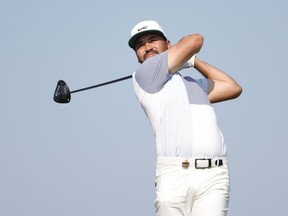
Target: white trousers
191, 192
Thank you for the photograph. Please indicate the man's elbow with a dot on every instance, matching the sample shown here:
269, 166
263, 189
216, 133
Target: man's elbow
198, 42
195, 42
237, 91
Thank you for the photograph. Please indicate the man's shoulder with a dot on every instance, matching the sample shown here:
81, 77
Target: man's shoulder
152, 74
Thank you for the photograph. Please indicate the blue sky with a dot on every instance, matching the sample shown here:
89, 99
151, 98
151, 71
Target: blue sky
96, 155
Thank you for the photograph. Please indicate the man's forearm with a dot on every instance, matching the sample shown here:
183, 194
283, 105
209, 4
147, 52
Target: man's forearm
211, 72
221, 86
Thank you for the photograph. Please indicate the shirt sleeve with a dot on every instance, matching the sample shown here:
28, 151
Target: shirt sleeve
153, 73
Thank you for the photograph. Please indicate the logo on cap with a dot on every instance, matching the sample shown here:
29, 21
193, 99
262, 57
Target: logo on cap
144, 27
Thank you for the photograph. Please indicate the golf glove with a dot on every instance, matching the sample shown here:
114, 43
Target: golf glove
189, 63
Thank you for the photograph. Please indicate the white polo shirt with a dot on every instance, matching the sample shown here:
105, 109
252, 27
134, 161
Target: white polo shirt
183, 120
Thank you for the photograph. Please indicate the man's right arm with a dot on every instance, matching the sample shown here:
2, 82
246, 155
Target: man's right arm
182, 51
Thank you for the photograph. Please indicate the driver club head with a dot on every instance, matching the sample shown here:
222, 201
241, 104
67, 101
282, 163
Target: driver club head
62, 92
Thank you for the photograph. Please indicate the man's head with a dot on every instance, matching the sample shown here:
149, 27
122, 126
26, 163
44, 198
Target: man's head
147, 39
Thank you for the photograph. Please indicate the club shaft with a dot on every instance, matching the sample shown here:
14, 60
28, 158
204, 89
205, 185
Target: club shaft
102, 84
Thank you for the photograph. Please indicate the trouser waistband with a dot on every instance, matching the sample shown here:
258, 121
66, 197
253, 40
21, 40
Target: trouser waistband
197, 163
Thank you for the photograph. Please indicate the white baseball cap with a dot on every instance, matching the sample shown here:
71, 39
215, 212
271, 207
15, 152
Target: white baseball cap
145, 27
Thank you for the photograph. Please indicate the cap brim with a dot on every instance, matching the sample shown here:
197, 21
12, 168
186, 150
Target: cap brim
134, 39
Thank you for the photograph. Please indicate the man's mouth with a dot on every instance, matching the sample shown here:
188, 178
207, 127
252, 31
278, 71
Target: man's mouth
150, 54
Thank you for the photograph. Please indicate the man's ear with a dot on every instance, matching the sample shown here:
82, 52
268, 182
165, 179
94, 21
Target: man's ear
168, 43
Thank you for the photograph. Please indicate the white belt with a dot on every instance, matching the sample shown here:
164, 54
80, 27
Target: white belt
197, 163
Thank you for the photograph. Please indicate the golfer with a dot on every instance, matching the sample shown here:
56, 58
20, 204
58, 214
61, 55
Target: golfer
192, 176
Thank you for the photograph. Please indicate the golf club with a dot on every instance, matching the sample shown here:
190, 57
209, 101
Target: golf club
62, 92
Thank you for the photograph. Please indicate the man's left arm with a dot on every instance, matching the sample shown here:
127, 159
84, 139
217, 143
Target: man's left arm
221, 86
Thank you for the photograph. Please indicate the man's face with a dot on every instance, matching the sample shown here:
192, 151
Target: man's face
149, 45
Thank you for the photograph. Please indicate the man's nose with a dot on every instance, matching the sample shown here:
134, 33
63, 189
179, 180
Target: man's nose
148, 46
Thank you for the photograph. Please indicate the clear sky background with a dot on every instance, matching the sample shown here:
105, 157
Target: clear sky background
96, 155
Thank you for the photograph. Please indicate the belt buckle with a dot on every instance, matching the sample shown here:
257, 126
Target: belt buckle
185, 164
203, 167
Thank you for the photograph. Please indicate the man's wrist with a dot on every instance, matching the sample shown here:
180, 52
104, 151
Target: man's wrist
190, 62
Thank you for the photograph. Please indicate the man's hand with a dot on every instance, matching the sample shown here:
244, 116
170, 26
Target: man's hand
189, 63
